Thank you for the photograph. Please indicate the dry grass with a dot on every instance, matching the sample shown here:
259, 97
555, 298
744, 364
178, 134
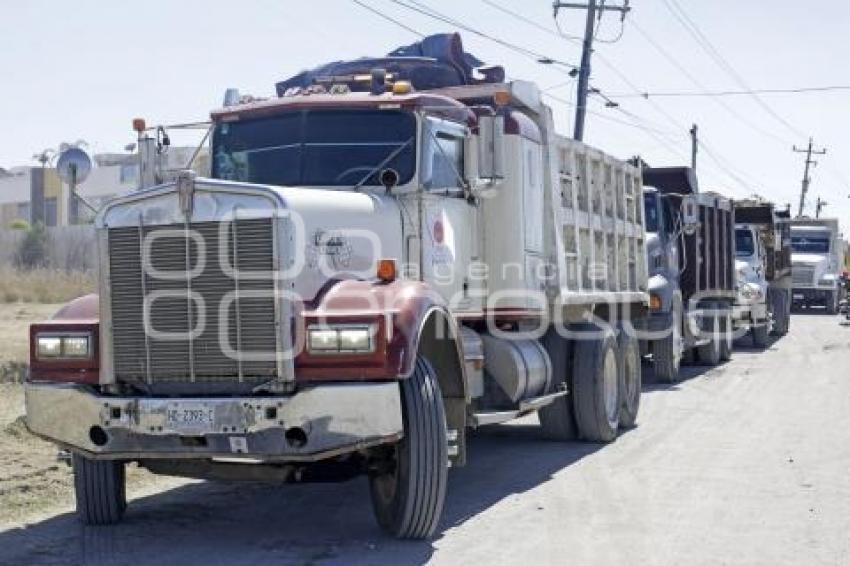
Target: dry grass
32, 481
15, 320
44, 285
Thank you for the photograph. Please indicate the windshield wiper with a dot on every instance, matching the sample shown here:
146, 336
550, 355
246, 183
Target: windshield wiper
393, 154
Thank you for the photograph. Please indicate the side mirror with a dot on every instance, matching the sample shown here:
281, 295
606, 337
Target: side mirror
491, 148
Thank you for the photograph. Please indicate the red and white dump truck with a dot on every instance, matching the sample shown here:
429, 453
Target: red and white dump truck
385, 256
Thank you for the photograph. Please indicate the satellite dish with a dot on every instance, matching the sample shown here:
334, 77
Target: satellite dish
74, 165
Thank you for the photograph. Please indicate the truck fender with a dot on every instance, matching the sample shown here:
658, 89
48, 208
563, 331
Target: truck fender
421, 324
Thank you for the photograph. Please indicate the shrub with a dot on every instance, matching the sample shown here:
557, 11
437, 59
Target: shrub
32, 251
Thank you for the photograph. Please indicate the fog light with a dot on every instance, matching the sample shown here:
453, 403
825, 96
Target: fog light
355, 339
75, 347
49, 347
323, 339
654, 302
341, 339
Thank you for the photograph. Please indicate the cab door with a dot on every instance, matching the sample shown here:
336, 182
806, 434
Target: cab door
449, 221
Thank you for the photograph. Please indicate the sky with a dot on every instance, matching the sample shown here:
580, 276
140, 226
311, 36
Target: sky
85, 69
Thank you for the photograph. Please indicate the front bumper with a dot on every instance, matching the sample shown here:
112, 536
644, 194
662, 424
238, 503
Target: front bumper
812, 294
748, 313
314, 423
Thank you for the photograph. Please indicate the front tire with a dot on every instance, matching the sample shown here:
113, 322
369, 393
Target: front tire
557, 421
760, 334
596, 377
709, 354
726, 338
832, 304
99, 486
667, 352
409, 487
781, 313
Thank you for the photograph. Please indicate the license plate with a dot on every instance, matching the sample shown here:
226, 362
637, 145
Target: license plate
196, 417
798, 296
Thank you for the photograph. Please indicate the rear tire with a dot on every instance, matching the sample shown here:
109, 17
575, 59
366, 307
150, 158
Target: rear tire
99, 486
557, 421
596, 398
409, 490
630, 378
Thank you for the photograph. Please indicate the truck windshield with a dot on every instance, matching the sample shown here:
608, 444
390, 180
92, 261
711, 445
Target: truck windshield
316, 147
650, 212
810, 242
744, 244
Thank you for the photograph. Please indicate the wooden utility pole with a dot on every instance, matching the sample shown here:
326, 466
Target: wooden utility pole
595, 10
809, 151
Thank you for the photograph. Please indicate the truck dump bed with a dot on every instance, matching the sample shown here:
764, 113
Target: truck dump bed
595, 231
597, 204
707, 258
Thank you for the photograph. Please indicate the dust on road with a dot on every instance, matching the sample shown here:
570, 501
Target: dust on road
747, 463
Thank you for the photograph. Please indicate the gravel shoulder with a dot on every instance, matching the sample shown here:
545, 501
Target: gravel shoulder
746, 463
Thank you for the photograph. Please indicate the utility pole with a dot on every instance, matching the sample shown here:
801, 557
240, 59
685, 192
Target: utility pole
809, 151
694, 146
595, 10
819, 206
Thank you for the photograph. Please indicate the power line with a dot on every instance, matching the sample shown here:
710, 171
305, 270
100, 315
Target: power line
388, 18
676, 9
712, 93
426, 10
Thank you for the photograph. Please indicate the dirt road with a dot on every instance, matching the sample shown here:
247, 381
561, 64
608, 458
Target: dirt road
748, 463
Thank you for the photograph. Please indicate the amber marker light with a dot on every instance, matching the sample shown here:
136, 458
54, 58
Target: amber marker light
386, 270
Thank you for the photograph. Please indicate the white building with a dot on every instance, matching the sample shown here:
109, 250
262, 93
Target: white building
36, 194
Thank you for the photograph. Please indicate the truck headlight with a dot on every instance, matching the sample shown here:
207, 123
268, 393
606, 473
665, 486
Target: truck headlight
827, 281
63, 347
341, 339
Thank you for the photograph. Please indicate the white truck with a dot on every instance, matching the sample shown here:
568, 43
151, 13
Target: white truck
817, 258
380, 262
763, 271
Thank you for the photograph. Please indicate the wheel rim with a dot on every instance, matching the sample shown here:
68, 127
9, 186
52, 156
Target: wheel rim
609, 378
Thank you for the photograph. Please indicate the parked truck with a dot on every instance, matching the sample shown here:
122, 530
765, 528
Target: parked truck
763, 270
388, 254
817, 260
690, 250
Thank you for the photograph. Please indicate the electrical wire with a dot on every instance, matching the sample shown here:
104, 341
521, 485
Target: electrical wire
388, 18
426, 10
800, 90
678, 12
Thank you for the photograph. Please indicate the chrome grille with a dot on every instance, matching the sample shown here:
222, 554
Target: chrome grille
802, 275
171, 351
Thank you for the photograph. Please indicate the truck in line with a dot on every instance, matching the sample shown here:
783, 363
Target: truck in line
817, 260
690, 250
386, 256
763, 270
